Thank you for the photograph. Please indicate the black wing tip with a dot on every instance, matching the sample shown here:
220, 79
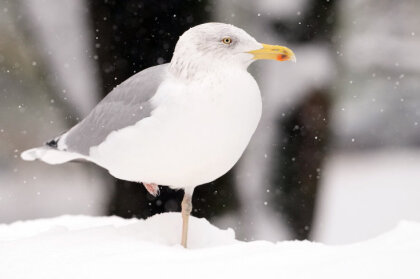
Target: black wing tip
52, 143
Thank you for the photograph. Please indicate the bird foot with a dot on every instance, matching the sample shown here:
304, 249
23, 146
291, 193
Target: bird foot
152, 188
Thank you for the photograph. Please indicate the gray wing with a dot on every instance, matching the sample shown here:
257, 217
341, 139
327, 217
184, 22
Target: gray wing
124, 106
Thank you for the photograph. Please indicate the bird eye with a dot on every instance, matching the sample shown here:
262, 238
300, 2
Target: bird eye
227, 40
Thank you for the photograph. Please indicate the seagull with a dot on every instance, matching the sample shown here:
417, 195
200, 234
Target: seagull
180, 124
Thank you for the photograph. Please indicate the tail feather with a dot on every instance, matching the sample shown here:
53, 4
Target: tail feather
50, 155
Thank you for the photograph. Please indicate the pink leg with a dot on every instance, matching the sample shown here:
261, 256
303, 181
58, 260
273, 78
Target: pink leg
152, 188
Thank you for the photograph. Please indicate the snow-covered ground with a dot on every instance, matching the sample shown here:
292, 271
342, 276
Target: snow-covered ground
111, 247
366, 193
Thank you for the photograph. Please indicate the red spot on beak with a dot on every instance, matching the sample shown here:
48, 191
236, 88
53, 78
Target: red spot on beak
281, 57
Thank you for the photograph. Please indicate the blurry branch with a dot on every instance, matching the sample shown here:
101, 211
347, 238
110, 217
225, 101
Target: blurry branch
33, 63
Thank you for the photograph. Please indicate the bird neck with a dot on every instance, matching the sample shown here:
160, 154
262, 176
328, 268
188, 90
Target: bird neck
189, 65
190, 69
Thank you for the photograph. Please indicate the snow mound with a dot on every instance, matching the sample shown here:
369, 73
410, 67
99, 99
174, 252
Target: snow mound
161, 229
111, 247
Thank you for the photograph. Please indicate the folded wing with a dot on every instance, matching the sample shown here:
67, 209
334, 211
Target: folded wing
125, 105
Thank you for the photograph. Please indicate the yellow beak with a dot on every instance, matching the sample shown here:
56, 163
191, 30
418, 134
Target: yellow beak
279, 53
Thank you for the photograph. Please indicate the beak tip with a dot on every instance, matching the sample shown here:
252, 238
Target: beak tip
293, 59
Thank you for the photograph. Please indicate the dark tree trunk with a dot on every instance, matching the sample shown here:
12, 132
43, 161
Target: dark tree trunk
303, 136
299, 162
129, 37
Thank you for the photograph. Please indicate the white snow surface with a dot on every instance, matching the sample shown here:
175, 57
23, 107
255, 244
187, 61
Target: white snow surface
111, 247
365, 193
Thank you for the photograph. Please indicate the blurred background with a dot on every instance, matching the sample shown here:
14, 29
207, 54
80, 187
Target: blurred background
336, 157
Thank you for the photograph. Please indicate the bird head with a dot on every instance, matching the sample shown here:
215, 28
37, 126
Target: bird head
210, 46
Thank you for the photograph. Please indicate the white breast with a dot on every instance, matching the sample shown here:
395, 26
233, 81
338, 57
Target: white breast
197, 132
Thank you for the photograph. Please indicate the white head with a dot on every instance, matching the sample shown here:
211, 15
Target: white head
210, 46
